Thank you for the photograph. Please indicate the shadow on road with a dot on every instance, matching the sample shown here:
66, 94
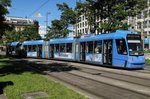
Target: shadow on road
19, 66
53, 67
14, 66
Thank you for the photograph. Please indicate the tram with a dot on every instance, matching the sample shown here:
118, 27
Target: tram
62, 48
34, 48
13, 49
121, 48
118, 49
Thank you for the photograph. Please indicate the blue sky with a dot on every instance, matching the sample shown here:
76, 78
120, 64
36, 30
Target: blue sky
25, 8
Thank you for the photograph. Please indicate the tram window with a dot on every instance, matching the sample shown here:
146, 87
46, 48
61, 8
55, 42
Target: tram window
25, 47
34, 47
51, 48
90, 47
97, 46
62, 47
39, 47
121, 46
29, 48
13, 48
57, 48
69, 47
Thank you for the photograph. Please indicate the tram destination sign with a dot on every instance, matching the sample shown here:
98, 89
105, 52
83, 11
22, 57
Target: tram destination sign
133, 37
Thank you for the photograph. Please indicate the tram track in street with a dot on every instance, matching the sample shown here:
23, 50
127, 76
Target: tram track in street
98, 88
137, 92
125, 78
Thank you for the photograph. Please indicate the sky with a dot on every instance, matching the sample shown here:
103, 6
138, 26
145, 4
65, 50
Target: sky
37, 10
34, 8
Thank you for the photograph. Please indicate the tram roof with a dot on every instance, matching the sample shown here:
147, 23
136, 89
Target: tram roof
14, 43
116, 34
61, 40
36, 42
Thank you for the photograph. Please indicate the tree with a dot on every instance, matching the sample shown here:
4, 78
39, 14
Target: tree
29, 33
59, 28
3, 11
68, 14
112, 13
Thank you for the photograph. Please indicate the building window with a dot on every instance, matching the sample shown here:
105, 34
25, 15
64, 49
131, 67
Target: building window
149, 13
145, 14
86, 23
149, 23
145, 24
139, 25
139, 16
83, 18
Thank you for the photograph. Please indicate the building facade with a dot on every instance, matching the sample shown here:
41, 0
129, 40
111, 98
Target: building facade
19, 23
140, 23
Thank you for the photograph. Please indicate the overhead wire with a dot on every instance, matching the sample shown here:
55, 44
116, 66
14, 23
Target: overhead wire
38, 8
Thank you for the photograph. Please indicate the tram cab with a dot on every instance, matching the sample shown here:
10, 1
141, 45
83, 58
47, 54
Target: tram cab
118, 49
128, 50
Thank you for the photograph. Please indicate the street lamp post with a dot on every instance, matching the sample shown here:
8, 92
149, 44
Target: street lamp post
47, 21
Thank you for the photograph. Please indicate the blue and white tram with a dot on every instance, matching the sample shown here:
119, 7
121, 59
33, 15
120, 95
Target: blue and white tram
62, 48
118, 49
14, 49
33, 48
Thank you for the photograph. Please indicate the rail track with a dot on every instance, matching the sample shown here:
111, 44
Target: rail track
103, 83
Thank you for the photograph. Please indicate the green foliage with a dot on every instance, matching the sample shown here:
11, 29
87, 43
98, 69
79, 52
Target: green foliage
59, 28
67, 15
3, 11
112, 13
146, 51
29, 33
148, 61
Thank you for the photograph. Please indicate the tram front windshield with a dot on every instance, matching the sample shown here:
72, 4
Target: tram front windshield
135, 48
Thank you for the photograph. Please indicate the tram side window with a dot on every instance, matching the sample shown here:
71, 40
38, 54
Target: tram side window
121, 46
13, 48
62, 47
90, 47
97, 46
34, 48
39, 48
29, 48
57, 48
69, 47
25, 47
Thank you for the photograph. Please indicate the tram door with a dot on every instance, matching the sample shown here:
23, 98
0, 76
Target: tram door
52, 51
46, 49
107, 52
82, 51
39, 51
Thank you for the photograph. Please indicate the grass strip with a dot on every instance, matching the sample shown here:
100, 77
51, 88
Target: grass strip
16, 79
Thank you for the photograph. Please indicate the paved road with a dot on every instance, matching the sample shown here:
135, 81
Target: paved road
99, 85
